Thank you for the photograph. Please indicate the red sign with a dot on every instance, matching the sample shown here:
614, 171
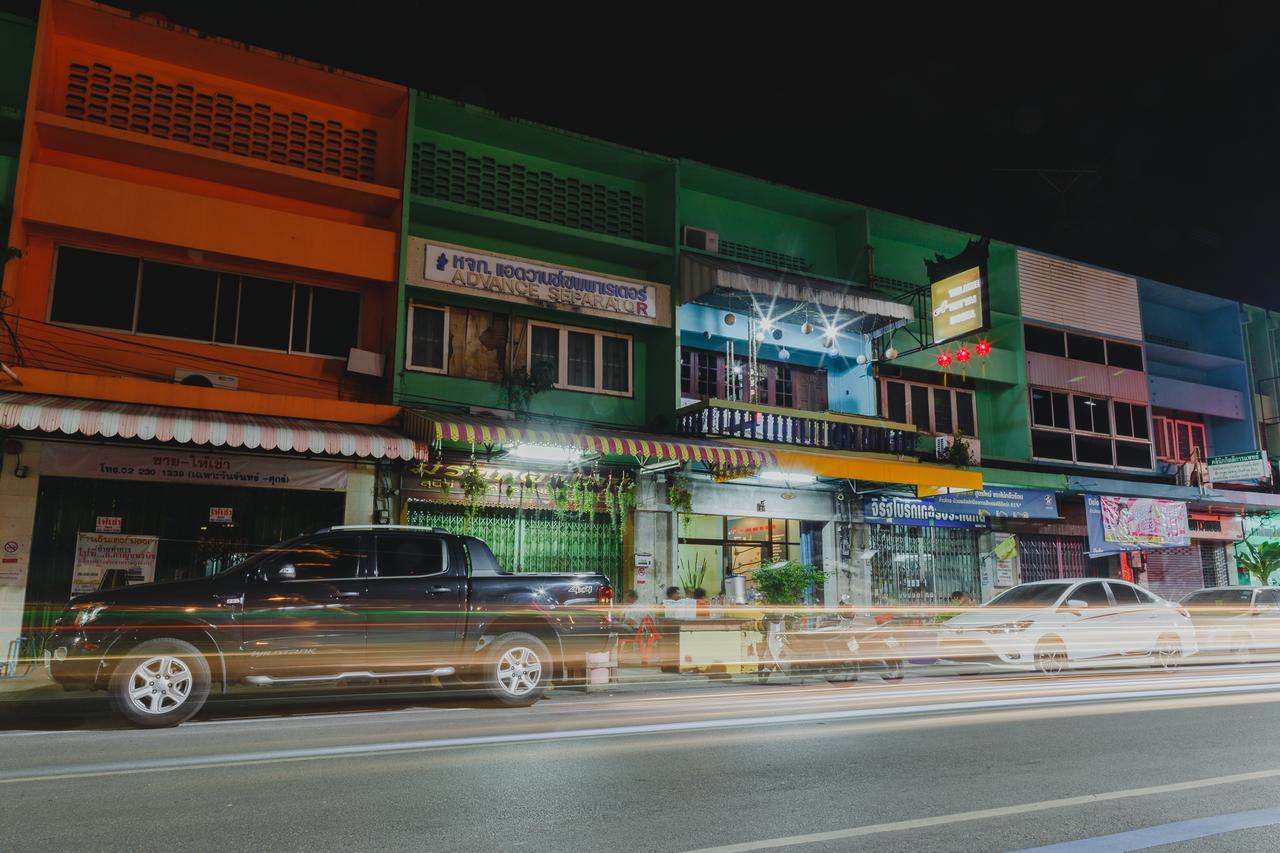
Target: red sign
220, 515
108, 524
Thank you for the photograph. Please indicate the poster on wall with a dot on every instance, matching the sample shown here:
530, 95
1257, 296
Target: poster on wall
108, 560
1120, 524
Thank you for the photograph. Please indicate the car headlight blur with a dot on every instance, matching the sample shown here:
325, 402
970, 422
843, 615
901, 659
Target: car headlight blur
87, 611
1010, 627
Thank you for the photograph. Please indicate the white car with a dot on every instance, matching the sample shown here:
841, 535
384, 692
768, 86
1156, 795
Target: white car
1054, 625
1236, 623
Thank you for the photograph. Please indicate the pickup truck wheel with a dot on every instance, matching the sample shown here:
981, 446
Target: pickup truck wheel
159, 683
517, 669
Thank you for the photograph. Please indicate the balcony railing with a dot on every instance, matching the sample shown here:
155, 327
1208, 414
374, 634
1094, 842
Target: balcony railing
818, 430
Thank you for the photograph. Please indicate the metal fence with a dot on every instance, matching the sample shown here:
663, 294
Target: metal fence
1046, 557
923, 565
534, 540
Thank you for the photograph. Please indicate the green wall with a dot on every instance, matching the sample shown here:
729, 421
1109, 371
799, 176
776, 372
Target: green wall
901, 246
468, 206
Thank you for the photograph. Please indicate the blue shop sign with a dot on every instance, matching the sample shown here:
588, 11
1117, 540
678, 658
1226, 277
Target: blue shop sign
969, 509
999, 502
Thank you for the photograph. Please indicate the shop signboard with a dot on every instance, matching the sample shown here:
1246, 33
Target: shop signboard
966, 509
472, 272
114, 559
10, 562
999, 502
221, 514
1239, 467
1120, 524
917, 512
108, 524
173, 465
1005, 553
959, 305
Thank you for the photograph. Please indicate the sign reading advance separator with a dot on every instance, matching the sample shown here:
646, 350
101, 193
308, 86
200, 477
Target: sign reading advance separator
180, 465
462, 270
1239, 466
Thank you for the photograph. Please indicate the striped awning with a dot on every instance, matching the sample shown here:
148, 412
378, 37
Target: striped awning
434, 427
97, 418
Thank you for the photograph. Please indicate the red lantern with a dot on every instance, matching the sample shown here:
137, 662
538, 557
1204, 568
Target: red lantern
962, 356
944, 361
983, 349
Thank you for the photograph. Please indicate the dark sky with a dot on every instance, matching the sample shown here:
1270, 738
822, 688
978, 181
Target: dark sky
1146, 145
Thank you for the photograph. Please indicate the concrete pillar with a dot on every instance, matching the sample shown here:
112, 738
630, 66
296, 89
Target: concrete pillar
17, 524
360, 490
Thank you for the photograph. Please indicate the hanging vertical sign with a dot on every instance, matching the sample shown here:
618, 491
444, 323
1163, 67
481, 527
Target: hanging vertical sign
958, 291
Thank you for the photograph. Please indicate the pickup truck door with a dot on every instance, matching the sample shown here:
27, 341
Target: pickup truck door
310, 624
415, 602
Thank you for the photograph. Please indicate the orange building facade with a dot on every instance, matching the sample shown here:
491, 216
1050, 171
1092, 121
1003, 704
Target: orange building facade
208, 238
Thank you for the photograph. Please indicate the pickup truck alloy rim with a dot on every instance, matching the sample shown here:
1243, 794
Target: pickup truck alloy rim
519, 671
159, 684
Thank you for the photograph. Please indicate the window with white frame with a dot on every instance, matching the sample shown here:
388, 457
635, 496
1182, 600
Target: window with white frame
428, 335
931, 408
129, 294
581, 359
1089, 430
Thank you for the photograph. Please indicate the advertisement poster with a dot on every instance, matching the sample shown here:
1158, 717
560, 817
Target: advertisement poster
120, 560
1239, 467
1134, 524
1005, 552
173, 465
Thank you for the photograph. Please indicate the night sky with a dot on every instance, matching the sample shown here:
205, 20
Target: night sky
1142, 145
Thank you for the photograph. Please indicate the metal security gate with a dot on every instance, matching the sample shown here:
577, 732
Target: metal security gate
1213, 563
923, 565
533, 540
1174, 572
1045, 557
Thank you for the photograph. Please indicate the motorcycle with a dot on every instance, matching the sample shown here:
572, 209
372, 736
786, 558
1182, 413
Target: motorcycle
838, 647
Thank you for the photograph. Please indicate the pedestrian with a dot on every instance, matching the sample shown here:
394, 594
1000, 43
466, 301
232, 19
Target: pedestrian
632, 612
671, 604
700, 603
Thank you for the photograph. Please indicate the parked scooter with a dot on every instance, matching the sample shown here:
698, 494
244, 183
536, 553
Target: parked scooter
838, 646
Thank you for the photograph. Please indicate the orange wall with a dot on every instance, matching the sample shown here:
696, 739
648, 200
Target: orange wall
118, 189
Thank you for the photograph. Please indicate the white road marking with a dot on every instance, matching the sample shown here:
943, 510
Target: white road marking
1001, 811
394, 747
1166, 833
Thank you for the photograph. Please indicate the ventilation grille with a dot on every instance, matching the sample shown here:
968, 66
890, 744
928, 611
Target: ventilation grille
181, 112
764, 257
513, 188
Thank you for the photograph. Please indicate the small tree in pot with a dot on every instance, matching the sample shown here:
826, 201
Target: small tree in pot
786, 583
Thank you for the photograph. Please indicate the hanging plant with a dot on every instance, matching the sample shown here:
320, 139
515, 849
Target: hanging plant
619, 498
520, 386
558, 491
959, 453
474, 489
681, 499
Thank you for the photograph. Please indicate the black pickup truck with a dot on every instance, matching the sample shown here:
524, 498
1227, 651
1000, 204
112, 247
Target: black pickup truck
343, 604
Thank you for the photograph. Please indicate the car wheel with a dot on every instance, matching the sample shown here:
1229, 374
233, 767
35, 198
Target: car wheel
895, 670
517, 669
159, 683
1169, 652
1241, 650
1051, 657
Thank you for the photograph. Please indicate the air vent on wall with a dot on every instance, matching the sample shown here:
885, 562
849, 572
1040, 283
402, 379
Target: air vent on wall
701, 238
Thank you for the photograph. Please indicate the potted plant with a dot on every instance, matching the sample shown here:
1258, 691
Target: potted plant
1260, 561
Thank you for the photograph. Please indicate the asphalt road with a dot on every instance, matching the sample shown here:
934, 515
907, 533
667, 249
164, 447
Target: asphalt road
929, 764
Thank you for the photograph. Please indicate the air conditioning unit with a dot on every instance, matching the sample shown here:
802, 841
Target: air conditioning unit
701, 238
942, 446
205, 379
364, 362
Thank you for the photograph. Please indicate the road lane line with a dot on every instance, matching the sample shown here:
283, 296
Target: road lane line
394, 747
1165, 833
1001, 811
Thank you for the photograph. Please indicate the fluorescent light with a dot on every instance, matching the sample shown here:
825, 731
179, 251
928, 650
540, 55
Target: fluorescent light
546, 453
661, 465
790, 479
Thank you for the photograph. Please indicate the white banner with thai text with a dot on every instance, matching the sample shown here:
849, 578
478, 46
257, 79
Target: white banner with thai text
172, 465
128, 559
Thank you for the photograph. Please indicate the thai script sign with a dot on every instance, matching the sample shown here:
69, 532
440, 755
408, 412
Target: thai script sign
111, 560
967, 509
1239, 466
179, 465
462, 270
1134, 524
959, 305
